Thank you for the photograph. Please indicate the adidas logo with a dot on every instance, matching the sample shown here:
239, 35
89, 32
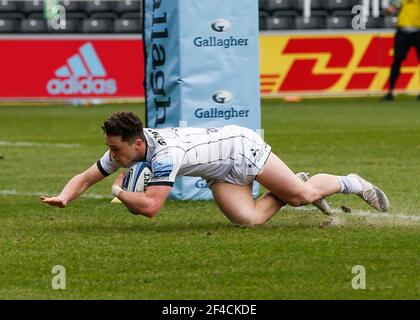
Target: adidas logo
82, 74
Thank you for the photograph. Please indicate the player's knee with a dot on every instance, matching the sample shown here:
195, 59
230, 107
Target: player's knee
302, 198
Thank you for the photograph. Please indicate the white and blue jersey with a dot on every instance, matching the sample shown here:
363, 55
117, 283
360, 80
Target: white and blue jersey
230, 154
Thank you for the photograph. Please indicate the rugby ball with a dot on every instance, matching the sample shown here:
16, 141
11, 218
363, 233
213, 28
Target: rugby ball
136, 178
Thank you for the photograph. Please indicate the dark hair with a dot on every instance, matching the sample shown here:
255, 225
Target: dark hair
124, 124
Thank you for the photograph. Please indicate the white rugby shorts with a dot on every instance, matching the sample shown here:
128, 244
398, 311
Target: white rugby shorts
251, 154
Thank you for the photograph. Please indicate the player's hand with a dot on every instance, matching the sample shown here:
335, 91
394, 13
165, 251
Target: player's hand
119, 180
54, 201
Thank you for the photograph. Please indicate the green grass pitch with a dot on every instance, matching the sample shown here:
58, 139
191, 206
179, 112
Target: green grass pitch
190, 251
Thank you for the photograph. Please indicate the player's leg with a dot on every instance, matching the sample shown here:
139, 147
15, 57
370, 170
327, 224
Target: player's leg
321, 204
280, 180
237, 204
402, 44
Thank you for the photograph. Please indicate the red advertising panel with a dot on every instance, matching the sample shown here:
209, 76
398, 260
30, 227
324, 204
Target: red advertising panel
71, 68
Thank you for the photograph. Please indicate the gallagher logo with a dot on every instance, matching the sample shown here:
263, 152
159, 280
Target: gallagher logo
83, 74
221, 25
222, 97
201, 184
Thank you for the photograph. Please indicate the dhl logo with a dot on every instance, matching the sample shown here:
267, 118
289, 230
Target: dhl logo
332, 64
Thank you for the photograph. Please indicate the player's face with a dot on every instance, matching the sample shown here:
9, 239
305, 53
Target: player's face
122, 151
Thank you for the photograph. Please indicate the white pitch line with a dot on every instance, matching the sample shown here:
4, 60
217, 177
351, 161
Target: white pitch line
366, 214
37, 194
386, 216
38, 144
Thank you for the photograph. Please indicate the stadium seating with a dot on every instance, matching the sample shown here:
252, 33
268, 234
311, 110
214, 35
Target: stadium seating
71, 26
334, 5
127, 25
73, 5
338, 22
325, 14
9, 6
127, 6
32, 6
98, 6
310, 23
33, 25
124, 16
9, 25
273, 5
98, 25
315, 4
280, 23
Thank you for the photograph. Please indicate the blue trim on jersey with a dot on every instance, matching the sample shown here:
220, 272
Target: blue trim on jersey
162, 173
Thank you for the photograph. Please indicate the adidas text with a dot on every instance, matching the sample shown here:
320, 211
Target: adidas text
86, 86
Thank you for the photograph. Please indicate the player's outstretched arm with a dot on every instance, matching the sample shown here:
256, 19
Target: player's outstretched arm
146, 203
75, 187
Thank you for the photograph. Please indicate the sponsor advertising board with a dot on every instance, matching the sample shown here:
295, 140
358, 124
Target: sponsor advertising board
202, 69
321, 64
71, 68
332, 64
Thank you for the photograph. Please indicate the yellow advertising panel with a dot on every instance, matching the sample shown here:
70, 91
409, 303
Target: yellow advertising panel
332, 64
